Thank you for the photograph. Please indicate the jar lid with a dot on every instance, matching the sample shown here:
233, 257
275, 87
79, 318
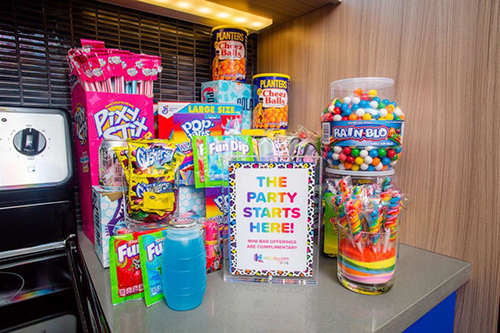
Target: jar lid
363, 83
182, 223
332, 171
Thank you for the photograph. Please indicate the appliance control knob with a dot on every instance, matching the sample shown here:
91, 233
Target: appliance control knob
29, 142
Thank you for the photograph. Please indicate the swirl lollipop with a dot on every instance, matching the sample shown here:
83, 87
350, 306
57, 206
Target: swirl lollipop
354, 220
341, 210
374, 218
386, 183
391, 218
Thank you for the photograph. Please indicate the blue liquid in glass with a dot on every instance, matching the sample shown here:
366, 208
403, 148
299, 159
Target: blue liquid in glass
184, 268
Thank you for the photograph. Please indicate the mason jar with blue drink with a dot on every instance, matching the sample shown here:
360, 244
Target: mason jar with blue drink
184, 265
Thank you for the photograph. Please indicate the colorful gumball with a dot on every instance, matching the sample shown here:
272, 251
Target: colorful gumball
374, 153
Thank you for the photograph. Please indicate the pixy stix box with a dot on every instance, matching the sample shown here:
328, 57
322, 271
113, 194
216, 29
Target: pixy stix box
98, 116
181, 121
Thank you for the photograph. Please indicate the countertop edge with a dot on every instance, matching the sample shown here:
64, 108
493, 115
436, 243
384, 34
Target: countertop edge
417, 310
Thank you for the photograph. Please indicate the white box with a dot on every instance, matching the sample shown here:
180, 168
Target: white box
108, 216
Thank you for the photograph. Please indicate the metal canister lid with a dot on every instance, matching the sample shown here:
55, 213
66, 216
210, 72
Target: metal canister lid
182, 223
114, 142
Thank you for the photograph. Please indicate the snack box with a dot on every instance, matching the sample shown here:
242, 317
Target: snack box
181, 121
98, 116
230, 92
108, 218
191, 200
216, 205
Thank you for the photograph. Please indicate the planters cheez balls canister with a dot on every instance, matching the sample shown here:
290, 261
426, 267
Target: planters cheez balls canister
229, 53
270, 100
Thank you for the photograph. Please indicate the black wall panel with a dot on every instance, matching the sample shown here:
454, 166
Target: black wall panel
35, 37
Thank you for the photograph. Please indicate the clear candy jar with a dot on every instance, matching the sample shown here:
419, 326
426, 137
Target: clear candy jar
366, 261
138, 219
362, 127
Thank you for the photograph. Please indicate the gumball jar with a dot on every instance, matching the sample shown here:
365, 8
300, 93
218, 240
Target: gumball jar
362, 127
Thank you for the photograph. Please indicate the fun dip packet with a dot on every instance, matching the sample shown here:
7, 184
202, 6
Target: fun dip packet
216, 152
125, 268
151, 249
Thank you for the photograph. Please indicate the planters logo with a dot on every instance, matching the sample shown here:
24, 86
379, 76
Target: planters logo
120, 121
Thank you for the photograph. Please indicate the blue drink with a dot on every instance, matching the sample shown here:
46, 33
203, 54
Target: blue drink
184, 266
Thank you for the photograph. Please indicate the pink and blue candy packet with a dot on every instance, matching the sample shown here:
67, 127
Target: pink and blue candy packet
151, 249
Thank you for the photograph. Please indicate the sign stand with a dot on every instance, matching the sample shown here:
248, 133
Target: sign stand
272, 209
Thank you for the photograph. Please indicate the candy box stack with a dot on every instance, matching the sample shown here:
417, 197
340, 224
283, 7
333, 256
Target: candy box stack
192, 119
108, 217
230, 92
362, 128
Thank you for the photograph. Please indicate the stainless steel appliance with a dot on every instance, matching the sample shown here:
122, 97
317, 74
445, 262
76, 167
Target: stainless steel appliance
39, 284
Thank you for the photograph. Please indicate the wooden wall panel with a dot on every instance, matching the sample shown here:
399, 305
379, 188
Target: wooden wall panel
445, 58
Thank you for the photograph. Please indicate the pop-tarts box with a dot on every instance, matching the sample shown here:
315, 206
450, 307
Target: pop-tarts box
108, 217
222, 91
181, 121
98, 116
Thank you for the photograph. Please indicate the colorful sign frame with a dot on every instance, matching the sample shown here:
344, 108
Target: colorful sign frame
242, 264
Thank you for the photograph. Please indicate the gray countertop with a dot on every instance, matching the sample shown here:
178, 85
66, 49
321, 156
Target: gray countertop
423, 280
